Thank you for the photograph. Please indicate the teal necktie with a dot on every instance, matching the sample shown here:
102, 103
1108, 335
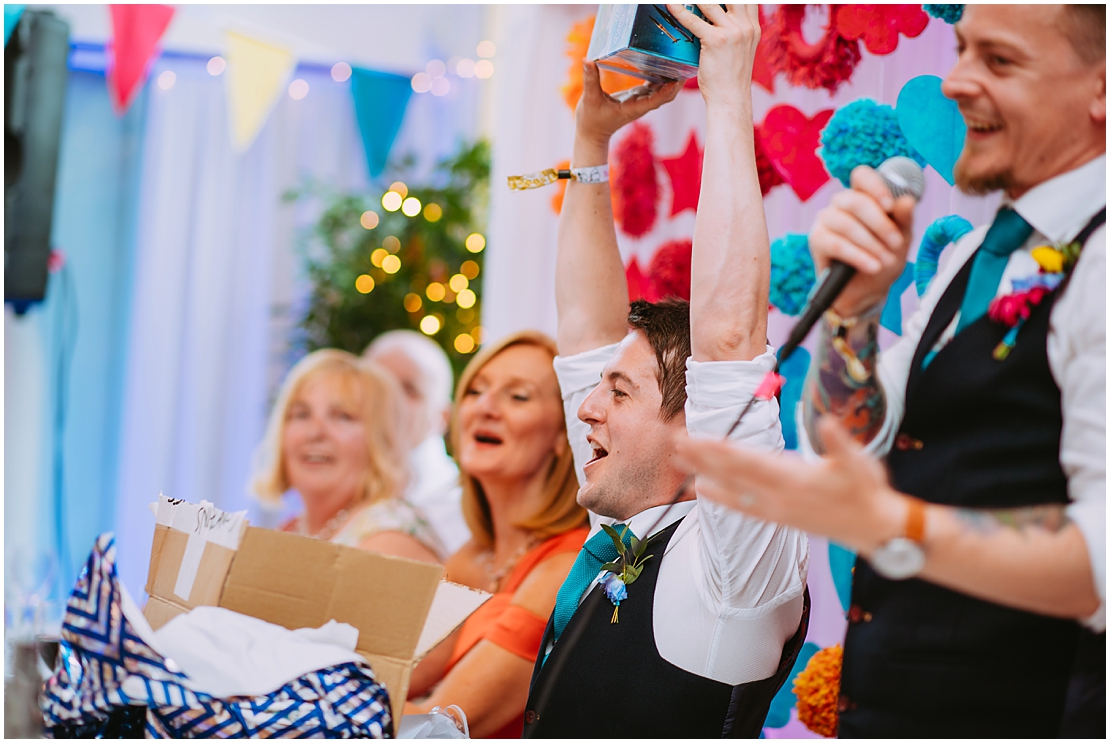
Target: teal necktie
598, 550
1008, 233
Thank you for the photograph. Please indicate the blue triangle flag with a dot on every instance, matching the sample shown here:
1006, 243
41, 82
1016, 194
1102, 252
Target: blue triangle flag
380, 101
891, 318
11, 19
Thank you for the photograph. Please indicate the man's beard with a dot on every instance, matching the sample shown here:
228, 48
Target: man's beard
983, 184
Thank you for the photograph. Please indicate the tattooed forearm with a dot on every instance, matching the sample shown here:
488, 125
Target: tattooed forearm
842, 379
1050, 517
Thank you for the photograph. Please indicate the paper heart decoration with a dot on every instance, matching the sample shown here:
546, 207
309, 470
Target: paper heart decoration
879, 25
790, 140
932, 123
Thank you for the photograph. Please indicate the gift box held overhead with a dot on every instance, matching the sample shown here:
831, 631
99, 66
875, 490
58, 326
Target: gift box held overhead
401, 608
645, 41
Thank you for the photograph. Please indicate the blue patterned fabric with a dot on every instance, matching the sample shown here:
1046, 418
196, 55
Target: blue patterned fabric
101, 654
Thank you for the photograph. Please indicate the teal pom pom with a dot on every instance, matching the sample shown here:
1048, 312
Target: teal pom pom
939, 235
947, 13
862, 133
792, 274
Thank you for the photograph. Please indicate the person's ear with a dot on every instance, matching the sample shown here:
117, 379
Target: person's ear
1098, 103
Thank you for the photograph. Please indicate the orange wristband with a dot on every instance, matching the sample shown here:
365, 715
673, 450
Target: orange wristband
915, 521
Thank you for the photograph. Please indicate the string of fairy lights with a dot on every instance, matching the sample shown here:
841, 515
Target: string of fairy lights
455, 290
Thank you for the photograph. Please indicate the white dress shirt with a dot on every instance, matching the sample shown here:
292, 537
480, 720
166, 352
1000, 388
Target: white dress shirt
730, 588
434, 489
1058, 210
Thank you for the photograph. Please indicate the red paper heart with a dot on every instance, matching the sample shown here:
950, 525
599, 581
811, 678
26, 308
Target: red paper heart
790, 141
879, 25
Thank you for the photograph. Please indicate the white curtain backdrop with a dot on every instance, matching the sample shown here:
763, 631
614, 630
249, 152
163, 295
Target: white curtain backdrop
218, 289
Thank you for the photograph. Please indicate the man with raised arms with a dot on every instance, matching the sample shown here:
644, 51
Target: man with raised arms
696, 646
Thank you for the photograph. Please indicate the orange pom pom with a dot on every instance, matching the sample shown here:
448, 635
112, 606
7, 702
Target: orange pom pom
818, 691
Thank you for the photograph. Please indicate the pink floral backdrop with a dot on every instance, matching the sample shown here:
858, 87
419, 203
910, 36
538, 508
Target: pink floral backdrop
813, 62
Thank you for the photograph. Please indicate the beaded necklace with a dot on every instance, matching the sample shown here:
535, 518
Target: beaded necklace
329, 530
496, 576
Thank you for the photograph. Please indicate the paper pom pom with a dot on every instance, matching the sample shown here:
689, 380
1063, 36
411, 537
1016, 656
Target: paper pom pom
947, 13
792, 273
862, 133
769, 176
879, 26
669, 270
818, 691
824, 64
578, 43
939, 235
635, 188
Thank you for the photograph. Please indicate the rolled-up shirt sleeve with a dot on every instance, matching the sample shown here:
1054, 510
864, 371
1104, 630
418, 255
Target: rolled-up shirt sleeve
744, 578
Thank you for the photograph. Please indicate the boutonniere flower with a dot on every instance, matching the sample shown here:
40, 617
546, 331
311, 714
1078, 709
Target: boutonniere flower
1012, 310
616, 576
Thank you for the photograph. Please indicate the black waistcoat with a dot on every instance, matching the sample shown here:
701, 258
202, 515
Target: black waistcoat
921, 660
614, 684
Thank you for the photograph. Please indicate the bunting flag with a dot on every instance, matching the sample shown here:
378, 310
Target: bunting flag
257, 72
12, 14
380, 102
136, 31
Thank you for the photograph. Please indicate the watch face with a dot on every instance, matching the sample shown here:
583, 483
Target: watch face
898, 559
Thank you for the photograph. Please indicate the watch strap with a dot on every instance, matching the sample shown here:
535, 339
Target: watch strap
915, 521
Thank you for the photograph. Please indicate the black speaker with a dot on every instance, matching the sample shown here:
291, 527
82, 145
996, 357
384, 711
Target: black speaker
34, 99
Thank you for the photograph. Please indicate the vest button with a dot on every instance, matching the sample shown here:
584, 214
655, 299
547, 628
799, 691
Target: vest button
904, 442
856, 614
530, 716
844, 704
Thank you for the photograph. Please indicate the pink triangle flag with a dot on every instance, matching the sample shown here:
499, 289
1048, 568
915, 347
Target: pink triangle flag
136, 31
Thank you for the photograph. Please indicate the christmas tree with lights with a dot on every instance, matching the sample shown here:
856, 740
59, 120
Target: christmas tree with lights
410, 257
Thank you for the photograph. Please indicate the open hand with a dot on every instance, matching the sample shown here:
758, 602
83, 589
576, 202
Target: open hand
599, 115
870, 231
728, 44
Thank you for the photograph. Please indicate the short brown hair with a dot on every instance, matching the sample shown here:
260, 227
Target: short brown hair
1085, 27
560, 511
377, 400
666, 325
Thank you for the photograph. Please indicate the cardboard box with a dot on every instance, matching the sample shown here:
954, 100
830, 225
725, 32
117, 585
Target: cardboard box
644, 41
401, 608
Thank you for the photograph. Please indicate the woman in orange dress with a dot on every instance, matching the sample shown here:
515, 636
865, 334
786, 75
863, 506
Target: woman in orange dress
519, 499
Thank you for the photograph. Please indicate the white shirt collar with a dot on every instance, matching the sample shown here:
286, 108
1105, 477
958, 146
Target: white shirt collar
644, 520
1060, 207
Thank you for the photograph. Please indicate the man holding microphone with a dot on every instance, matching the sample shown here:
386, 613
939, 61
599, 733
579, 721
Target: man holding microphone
979, 593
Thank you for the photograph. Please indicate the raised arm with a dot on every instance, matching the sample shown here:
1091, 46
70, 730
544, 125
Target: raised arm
865, 228
731, 264
591, 295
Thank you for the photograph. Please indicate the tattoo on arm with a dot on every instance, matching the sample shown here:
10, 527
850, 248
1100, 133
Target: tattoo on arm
1050, 517
842, 380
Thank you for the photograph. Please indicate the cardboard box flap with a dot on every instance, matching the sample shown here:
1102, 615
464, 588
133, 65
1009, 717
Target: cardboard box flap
170, 552
452, 604
299, 582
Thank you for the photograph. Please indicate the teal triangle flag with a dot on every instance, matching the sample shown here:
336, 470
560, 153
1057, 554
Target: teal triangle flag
12, 14
891, 319
380, 102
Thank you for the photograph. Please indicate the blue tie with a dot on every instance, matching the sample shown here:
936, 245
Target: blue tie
598, 550
1008, 233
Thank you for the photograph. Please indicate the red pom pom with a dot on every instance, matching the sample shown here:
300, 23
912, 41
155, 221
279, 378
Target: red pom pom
669, 270
635, 188
825, 64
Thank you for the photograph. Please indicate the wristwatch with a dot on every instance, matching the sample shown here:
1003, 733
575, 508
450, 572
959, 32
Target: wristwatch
903, 557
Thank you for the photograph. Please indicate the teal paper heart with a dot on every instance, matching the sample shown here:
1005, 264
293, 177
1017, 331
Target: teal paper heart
932, 123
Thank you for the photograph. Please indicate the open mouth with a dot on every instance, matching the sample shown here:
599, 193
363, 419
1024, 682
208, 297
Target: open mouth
982, 127
317, 459
487, 438
599, 453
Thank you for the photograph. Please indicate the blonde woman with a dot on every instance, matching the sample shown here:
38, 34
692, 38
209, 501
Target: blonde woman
519, 497
332, 438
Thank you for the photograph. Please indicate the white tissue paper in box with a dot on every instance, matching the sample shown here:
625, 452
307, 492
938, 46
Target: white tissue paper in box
227, 654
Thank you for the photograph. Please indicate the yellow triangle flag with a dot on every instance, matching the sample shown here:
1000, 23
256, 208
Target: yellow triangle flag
256, 75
